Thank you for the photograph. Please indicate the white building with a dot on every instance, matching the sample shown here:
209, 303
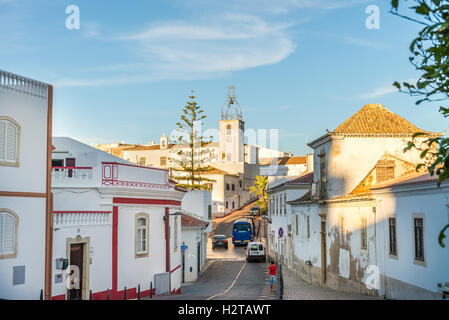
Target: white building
283, 222
340, 242
194, 230
411, 212
286, 166
117, 225
25, 193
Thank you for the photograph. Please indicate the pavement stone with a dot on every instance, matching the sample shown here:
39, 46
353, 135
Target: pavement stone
298, 289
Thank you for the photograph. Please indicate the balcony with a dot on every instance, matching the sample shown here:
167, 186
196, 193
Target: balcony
81, 218
14, 82
71, 173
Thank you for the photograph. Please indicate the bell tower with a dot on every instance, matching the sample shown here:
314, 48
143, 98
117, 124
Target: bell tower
231, 130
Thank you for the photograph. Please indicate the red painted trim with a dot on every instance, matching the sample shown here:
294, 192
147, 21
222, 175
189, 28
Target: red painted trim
146, 201
167, 241
114, 249
131, 293
178, 291
84, 168
134, 165
62, 212
176, 268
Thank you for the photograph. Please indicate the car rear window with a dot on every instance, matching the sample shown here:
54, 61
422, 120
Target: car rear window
220, 237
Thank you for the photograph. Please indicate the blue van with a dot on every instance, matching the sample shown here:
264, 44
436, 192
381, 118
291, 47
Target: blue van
242, 232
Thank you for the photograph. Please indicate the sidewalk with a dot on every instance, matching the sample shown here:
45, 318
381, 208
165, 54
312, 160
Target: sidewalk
297, 289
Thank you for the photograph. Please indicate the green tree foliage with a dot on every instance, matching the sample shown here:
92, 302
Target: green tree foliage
430, 57
259, 188
190, 153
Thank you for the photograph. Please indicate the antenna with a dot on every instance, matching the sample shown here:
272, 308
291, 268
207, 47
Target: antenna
231, 109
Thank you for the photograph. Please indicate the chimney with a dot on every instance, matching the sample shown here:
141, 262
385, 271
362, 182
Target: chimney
309, 162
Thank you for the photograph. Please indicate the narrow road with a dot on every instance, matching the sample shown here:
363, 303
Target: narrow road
229, 276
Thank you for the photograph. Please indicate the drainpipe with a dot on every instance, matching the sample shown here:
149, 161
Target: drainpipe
167, 241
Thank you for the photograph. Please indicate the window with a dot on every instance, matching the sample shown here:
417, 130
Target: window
227, 205
418, 224
141, 249
227, 186
285, 203
9, 142
175, 240
308, 226
297, 225
240, 183
233, 187
142, 161
233, 205
228, 129
384, 170
163, 161
392, 236
363, 234
8, 234
342, 230
323, 177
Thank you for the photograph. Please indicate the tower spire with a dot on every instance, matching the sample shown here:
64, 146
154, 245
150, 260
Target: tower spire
231, 109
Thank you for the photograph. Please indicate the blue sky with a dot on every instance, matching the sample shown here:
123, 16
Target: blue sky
299, 66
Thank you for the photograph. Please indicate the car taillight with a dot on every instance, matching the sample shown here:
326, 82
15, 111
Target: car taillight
225, 240
252, 237
215, 241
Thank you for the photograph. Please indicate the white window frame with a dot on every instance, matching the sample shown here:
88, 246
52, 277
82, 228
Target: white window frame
15, 162
146, 217
9, 254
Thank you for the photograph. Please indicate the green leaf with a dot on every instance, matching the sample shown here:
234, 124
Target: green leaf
442, 236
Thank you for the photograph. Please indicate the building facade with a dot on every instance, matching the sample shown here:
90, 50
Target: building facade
116, 226
25, 187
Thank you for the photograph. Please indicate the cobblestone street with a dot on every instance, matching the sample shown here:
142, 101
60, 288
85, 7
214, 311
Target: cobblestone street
297, 289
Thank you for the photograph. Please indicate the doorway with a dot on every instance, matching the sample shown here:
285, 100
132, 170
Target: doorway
323, 251
76, 260
70, 162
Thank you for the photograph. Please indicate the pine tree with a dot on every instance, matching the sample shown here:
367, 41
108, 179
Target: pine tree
190, 153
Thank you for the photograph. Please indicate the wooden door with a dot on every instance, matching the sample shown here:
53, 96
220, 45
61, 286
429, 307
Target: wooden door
76, 259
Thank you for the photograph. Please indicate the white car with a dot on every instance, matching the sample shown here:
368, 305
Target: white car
256, 252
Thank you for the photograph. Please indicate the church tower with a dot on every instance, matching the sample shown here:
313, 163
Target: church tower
231, 131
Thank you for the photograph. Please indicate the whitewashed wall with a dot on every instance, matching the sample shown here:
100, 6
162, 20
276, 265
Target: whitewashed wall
403, 278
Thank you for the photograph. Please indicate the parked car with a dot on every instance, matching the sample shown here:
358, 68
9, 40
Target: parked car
219, 241
256, 252
264, 216
254, 211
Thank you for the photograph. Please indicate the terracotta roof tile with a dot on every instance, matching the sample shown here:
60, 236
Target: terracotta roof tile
376, 119
285, 161
304, 179
189, 221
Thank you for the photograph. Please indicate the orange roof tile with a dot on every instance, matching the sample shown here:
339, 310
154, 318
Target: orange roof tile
189, 221
376, 119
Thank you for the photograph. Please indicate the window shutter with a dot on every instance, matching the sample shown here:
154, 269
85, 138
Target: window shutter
11, 142
7, 233
2, 141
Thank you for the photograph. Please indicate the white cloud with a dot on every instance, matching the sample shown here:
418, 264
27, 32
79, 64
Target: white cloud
381, 91
227, 42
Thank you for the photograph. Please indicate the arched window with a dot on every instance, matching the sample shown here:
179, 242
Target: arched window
228, 129
9, 141
8, 233
141, 248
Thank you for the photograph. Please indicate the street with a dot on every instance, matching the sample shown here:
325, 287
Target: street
227, 275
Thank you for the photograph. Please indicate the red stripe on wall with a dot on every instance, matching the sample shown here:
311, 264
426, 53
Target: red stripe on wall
167, 242
114, 248
146, 201
175, 269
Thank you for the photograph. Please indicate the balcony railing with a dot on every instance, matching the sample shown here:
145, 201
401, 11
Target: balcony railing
76, 218
14, 82
80, 173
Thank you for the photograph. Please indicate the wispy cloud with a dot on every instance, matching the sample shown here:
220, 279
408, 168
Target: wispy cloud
384, 90
363, 42
175, 50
